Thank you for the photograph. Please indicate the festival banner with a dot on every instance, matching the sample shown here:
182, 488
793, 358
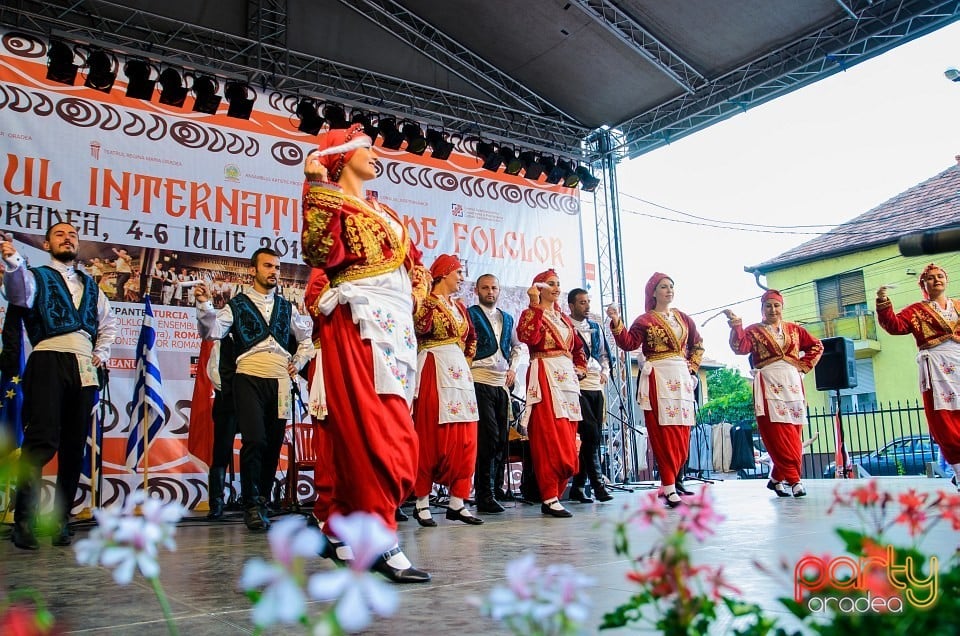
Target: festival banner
164, 197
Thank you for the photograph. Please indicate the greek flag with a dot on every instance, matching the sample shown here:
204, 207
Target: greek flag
146, 418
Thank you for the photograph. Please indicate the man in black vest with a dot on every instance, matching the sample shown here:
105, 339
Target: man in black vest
71, 328
260, 322
494, 370
590, 335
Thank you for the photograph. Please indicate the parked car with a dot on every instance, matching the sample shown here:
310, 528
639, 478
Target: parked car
902, 456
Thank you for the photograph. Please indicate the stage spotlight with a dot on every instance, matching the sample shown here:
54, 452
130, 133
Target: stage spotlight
491, 157
416, 142
532, 167
240, 97
511, 163
101, 70
335, 116
172, 90
392, 137
205, 89
140, 84
554, 171
60, 66
588, 182
310, 120
570, 178
369, 128
440, 143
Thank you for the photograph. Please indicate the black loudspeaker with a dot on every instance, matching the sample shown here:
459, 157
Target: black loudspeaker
837, 368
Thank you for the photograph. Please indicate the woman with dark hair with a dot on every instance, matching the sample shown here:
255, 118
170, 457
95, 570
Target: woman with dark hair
672, 349
935, 324
553, 390
445, 409
366, 328
780, 353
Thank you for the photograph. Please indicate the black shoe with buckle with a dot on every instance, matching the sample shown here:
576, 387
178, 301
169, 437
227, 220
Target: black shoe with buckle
458, 515
400, 515
561, 513
406, 575
672, 499
778, 488
682, 490
329, 551
23, 536
426, 522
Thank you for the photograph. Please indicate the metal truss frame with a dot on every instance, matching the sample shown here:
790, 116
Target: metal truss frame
877, 27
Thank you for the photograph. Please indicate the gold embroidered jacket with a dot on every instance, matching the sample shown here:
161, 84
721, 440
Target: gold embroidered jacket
920, 319
652, 334
764, 348
436, 325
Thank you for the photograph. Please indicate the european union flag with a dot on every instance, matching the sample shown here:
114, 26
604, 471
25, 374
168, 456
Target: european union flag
12, 362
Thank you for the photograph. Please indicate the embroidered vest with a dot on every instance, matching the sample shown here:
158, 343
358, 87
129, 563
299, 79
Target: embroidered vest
53, 313
596, 337
487, 344
249, 328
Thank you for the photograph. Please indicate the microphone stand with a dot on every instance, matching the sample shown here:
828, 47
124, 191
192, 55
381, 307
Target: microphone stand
103, 379
293, 475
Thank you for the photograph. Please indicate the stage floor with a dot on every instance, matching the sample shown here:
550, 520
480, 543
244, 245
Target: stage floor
201, 576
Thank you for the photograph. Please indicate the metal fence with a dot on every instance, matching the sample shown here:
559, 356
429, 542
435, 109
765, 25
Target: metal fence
891, 439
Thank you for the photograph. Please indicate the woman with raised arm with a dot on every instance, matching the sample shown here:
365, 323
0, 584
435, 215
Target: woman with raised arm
780, 354
445, 410
366, 328
672, 349
553, 390
935, 325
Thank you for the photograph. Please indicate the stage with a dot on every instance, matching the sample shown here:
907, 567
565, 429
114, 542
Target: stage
201, 576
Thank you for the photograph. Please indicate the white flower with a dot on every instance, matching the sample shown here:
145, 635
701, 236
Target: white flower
365, 534
126, 541
282, 600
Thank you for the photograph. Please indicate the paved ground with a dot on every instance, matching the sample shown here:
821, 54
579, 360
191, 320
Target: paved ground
201, 576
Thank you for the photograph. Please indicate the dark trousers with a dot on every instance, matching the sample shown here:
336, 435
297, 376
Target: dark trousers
224, 430
591, 405
261, 434
493, 404
56, 420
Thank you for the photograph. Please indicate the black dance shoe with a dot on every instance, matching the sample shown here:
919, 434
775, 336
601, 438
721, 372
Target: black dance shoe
61, 535
798, 490
425, 522
778, 488
329, 551
577, 494
682, 490
457, 515
400, 515
407, 575
255, 518
23, 536
672, 500
562, 513
601, 494
489, 505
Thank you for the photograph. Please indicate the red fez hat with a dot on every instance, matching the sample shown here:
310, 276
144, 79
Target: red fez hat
445, 264
543, 276
926, 270
771, 294
337, 146
650, 301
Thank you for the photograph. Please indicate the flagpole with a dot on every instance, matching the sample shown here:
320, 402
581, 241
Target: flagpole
146, 445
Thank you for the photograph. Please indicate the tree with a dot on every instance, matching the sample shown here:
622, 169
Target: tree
731, 397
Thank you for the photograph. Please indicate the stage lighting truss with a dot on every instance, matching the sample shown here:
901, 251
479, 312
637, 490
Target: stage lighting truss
487, 151
416, 142
172, 90
570, 178
240, 98
205, 89
588, 182
365, 120
440, 143
141, 78
531, 164
60, 65
511, 162
310, 119
554, 172
101, 70
392, 137
335, 116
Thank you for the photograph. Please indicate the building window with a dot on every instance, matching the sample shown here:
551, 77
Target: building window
842, 295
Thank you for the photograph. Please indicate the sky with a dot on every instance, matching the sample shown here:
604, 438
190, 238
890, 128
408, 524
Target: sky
820, 155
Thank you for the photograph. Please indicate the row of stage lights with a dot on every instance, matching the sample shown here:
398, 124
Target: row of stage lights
143, 76
393, 134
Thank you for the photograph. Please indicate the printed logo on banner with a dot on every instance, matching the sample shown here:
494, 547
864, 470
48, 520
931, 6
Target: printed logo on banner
456, 209
95, 149
231, 172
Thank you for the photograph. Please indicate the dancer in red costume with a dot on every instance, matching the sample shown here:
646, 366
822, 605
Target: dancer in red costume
366, 329
780, 353
445, 411
553, 390
935, 324
673, 349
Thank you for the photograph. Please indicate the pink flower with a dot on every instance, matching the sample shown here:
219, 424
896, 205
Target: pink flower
912, 514
948, 506
698, 516
648, 511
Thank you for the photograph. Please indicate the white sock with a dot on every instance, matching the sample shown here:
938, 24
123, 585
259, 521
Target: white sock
554, 504
668, 490
423, 502
399, 560
344, 552
456, 503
